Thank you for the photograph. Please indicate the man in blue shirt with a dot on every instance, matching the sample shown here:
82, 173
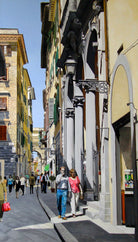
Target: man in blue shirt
62, 191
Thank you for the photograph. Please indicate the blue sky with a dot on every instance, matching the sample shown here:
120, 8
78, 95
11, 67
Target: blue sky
25, 15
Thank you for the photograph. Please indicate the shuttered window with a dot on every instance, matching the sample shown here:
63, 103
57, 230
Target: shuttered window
3, 104
3, 132
51, 108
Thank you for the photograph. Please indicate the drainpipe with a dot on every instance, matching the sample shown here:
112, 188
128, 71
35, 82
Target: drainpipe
106, 40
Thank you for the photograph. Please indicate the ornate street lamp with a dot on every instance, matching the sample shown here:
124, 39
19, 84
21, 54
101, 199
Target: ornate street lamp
70, 65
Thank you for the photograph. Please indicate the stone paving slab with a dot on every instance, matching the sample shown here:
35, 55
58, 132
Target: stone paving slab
26, 221
82, 228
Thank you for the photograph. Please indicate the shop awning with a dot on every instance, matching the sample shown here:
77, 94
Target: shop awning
46, 167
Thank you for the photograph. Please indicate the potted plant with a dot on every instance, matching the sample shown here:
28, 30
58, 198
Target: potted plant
52, 179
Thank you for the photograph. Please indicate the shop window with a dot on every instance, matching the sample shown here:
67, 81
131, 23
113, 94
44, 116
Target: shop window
3, 104
3, 132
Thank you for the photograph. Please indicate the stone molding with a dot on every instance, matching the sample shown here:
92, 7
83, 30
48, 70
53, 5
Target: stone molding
93, 85
78, 101
69, 113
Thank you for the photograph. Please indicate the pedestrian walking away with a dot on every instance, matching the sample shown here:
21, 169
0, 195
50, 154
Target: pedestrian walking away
17, 186
5, 181
62, 191
22, 180
45, 179
76, 191
41, 181
3, 196
10, 183
38, 179
32, 183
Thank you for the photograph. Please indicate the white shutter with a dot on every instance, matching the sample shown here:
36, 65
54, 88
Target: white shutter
51, 108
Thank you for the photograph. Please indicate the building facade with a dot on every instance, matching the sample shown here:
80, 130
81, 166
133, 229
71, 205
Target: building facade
98, 88
14, 127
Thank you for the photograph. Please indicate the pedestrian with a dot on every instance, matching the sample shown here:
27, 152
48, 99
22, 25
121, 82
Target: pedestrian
10, 183
17, 186
76, 191
5, 181
3, 196
45, 179
32, 183
41, 181
38, 179
62, 191
22, 181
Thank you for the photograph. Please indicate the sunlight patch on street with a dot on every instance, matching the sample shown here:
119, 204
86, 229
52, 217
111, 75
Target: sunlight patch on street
36, 226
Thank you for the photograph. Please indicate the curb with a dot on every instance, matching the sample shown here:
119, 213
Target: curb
63, 233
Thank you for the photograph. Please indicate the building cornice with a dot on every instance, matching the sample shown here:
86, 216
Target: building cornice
6, 38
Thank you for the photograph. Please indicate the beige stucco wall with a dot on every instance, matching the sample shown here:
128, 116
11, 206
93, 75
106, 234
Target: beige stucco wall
122, 19
123, 29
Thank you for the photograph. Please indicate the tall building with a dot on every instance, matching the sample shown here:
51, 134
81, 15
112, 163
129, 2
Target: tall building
14, 126
50, 49
98, 62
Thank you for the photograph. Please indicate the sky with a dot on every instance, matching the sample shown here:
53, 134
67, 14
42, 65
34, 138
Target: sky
25, 15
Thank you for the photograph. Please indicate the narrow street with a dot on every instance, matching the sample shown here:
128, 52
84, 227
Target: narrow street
26, 221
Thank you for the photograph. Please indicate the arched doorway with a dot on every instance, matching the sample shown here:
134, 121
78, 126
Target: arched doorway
121, 141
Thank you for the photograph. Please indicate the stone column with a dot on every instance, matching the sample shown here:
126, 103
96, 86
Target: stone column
90, 143
69, 114
105, 193
78, 104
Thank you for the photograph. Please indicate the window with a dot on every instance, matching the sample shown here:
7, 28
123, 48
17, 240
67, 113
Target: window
3, 132
3, 104
6, 50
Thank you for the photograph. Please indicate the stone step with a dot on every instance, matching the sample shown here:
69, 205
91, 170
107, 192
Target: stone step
92, 213
93, 204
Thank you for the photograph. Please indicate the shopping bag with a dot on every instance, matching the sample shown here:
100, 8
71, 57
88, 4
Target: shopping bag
6, 207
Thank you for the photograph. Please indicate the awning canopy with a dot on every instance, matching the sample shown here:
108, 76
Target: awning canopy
46, 167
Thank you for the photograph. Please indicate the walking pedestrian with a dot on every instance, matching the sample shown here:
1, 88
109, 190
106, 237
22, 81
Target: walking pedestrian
38, 179
62, 191
41, 180
76, 191
32, 183
45, 179
22, 181
17, 186
3, 196
5, 181
10, 183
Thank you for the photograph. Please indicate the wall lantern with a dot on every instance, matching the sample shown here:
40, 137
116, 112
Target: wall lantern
70, 65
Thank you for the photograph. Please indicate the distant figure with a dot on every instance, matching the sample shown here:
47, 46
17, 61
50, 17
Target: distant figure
17, 186
45, 179
75, 191
10, 183
62, 191
3, 192
5, 181
38, 179
41, 181
22, 180
32, 183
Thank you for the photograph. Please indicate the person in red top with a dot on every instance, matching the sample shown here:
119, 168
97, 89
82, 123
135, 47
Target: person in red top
75, 191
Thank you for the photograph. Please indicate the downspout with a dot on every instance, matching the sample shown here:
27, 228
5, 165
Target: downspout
60, 94
106, 41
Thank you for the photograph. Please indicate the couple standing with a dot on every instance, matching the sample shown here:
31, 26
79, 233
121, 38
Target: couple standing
64, 185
